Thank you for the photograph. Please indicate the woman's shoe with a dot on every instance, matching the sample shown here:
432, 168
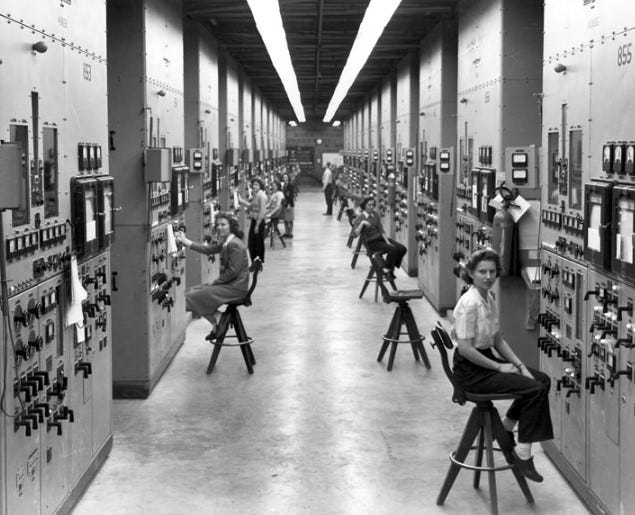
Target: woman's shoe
211, 336
526, 467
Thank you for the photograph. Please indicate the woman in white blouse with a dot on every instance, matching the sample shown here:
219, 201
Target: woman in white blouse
476, 331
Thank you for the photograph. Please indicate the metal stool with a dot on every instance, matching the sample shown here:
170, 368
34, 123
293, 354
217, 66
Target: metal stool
231, 318
402, 316
484, 422
273, 231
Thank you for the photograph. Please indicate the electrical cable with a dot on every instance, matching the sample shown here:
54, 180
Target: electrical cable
8, 333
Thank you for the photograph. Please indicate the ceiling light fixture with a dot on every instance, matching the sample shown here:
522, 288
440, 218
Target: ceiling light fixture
378, 14
269, 23
337, 123
292, 123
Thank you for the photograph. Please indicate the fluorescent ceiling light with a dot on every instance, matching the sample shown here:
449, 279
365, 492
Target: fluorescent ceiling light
378, 14
269, 23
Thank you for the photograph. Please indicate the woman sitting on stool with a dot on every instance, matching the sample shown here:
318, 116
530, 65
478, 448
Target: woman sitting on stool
476, 331
232, 284
376, 240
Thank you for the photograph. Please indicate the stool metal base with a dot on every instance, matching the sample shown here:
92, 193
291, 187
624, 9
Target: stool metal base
231, 318
484, 422
403, 316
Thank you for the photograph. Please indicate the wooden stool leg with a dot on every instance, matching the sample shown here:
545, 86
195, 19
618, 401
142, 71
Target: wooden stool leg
502, 437
351, 239
479, 459
367, 281
489, 454
414, 334
415, 351
358, 249
242, 337
395, 336
247, 359
280, 236
395, 320
470, 432
213, 359
251, 354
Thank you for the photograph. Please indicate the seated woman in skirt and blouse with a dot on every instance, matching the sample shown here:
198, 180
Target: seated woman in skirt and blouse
232, 284
477, 333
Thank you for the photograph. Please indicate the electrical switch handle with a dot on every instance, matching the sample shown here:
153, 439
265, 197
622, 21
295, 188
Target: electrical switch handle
35, 310
105, 298
113, 281
55, 392
595, 292
24, 351
43, 374
37, 379
33, 419
45, 407
70, 414
58, 425
628, 309
33, 385
612, 332
26, 425
626, 342
571, 391
36, 343
37, 413
84, 367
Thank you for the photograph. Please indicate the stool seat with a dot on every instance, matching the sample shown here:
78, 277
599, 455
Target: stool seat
405, 295
489, 397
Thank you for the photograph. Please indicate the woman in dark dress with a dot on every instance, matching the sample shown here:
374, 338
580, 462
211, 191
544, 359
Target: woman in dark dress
376, 240
257, 209
477, 333
233, 281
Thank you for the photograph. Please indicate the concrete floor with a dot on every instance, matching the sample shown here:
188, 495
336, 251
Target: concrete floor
320, 427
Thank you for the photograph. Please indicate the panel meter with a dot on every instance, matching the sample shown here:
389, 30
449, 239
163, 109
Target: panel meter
389, 156
410, 157
444, 159
105, 214
623, 237
194, 160
84, 211
375, 155
597, 227
520, 167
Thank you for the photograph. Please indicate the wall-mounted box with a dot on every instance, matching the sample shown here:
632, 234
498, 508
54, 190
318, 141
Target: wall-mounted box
158, 165
11, 177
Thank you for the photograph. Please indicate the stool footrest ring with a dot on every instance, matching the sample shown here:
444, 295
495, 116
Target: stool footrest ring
249, 341
476, 468
392, 340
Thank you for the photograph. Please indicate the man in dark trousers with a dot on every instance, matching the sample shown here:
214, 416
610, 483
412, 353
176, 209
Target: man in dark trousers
327, 188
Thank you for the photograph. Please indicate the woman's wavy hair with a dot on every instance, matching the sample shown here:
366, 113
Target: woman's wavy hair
362, 204
478, 256
259, 181
234, 225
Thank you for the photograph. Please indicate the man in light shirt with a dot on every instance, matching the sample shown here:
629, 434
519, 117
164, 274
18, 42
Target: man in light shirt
327, 188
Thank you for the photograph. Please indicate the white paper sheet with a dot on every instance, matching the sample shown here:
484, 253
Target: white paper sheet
91, 230
212, 214
74, 313
172, 248
236, 203
593, 239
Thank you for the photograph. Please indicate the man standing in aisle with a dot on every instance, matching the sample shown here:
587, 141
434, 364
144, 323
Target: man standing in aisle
327, 188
